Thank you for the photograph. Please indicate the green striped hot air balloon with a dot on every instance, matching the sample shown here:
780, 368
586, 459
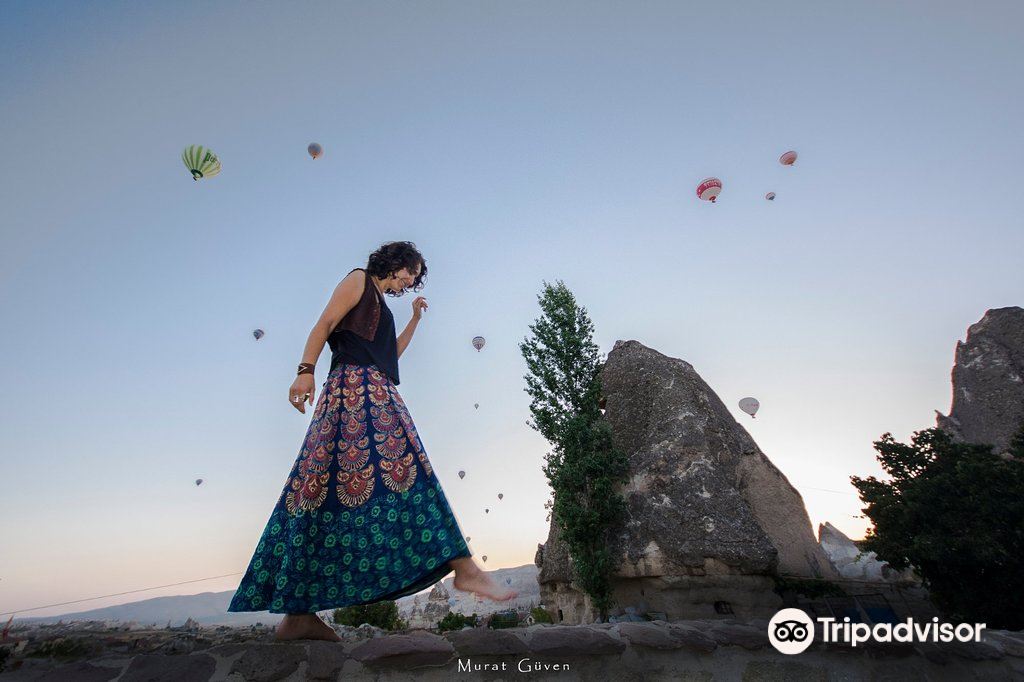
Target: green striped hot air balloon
201, 161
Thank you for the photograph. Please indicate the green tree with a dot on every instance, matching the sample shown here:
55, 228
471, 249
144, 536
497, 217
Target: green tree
503, 620
456, 621
382, 614
583, 467
955, 512
540, 615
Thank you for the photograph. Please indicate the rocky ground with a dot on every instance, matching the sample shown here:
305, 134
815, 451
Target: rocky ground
691, 650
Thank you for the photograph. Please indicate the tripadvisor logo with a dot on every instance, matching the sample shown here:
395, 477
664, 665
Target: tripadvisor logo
791, 631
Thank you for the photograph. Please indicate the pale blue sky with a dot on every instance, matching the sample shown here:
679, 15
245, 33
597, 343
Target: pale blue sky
512, 142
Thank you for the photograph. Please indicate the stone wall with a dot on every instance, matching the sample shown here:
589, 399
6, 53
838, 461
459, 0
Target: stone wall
694, 650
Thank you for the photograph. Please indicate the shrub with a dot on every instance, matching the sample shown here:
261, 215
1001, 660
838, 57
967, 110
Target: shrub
540, 615
502, 620
456, 621
382, 614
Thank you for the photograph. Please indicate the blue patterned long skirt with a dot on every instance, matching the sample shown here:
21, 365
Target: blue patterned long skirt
362, 517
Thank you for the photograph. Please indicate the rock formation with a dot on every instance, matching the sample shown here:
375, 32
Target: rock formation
988, 381
435, 608
853, 564
710, 519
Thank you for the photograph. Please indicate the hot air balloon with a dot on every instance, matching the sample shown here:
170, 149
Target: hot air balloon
258, 333
476, 406
462, 474
467, 538
199, 481
202, 162
750, 405
770, 196
484, 557
314, 149
478, 342
501, 495
709, 189
487, 511
788, 158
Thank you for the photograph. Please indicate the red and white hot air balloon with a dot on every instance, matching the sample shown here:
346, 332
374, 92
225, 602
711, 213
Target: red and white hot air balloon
788, 158
750, 406
709, 189
770, 196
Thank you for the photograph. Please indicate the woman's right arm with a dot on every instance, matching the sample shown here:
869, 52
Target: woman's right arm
345, 297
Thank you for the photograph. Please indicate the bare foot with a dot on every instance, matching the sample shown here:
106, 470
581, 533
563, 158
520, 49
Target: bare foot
329, 634
304, 626
470, 578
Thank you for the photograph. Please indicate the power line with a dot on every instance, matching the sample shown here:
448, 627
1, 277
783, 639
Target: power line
118, 594
840, 492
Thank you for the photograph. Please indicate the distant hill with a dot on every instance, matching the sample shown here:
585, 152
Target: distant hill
211, 608
207, 608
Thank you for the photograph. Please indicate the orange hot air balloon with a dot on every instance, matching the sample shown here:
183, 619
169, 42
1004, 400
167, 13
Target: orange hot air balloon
788, 159
315, 150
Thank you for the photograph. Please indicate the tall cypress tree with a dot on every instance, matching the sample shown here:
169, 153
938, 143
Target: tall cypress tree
583, 467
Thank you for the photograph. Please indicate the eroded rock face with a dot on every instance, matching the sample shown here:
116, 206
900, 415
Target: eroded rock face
706, 507
434, 609
988, 381
853, 564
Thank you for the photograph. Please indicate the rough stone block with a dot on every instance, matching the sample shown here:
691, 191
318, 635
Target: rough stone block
163, 668
783, 671
564, 640
649, 635
484, 642
691, 638
727, 634
269, 662
974, 651
325, 660
407, 651
226, 650
1012, 643
933, 653
79, 671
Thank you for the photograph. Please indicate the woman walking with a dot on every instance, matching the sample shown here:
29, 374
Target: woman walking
362, 517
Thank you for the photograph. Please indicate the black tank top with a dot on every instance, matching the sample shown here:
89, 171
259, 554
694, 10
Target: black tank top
366, 335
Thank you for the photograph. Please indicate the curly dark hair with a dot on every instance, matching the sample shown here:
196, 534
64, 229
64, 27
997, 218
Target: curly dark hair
392, 257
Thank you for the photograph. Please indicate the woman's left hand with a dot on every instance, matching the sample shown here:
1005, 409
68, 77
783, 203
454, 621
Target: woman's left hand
418, 306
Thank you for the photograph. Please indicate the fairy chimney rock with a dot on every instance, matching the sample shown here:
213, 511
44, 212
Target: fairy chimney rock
988, 381
705, 506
